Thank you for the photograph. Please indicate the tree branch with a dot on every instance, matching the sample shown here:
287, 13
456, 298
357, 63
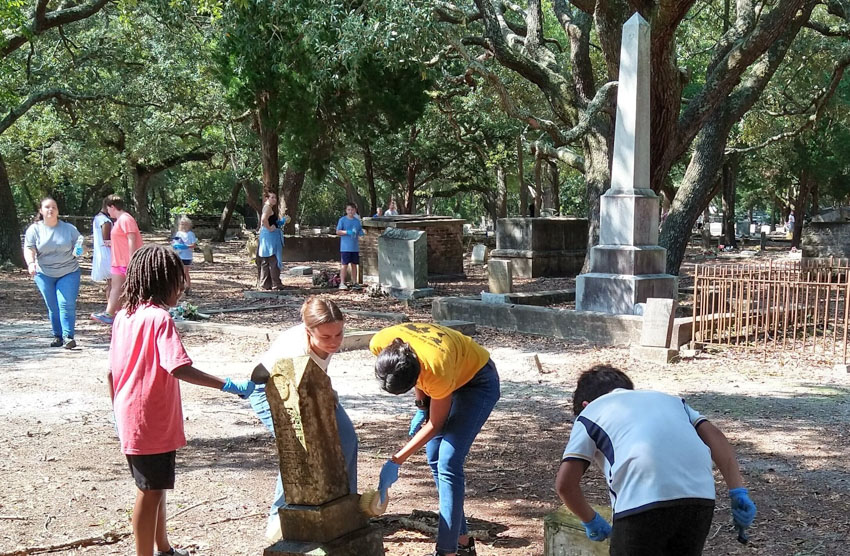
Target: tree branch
44, 21
192, 156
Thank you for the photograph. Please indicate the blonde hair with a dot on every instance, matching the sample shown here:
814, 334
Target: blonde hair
318, 310
184, 220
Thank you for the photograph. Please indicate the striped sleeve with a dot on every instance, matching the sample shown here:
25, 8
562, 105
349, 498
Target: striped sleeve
580, 446
694, 416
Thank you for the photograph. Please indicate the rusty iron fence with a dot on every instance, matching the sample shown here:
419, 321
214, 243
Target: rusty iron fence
794, 306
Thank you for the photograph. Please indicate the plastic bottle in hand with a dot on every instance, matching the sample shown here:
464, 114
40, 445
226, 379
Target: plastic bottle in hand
78, 247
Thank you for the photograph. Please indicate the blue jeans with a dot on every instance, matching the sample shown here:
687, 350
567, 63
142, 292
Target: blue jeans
347, 438
60, 296
471, 406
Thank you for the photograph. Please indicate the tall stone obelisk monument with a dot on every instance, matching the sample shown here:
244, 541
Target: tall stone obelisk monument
627, 266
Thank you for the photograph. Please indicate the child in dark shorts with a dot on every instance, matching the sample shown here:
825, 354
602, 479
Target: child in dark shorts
146, 360
349, 229
656, 453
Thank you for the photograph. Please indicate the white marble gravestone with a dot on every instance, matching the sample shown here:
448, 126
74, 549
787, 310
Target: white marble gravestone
627, 266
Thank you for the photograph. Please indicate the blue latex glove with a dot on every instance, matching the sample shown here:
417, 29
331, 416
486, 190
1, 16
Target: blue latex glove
419, 418
743, 509
352, 232
243, 388
597, 529
389, 475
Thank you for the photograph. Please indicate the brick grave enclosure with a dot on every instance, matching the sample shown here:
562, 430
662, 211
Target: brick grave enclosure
445, 242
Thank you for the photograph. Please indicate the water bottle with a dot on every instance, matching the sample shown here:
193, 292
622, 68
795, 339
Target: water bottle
78, 247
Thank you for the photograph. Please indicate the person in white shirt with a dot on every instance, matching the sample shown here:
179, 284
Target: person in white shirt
655, 452
319, 336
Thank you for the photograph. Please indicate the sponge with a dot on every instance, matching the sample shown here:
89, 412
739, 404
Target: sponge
370, 503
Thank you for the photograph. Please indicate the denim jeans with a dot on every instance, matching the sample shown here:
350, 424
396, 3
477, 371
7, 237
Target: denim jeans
471, 406
347, 438
60, 296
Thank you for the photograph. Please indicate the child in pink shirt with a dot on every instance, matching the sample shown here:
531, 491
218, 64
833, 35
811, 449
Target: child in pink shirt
146, 362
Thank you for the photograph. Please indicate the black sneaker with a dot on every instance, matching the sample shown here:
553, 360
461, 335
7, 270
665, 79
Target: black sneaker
57, 342
70, 343
468, 550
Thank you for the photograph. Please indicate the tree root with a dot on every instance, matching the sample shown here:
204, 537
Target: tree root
110, 537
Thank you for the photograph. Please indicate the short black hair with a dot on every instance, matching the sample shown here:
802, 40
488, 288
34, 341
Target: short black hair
598, 381
397, 367
352, 205
153, 275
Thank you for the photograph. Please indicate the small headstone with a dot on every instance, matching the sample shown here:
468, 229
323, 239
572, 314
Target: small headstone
208, 253
534, 363
563, 535
403, 258
657, 322
301, 271
742, 228
500, 276
763, 241
479, 253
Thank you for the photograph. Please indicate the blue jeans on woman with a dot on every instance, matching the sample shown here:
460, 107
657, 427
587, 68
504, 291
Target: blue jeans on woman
347, 438
60, 296
471, 406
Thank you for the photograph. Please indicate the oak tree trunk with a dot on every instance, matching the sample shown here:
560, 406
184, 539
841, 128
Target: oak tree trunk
523, 189
10, 229
227, 212
502, 184
369, 165
293, 183
269, 139
141, 208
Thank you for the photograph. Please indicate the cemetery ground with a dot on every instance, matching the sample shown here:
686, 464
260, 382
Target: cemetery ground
65, 480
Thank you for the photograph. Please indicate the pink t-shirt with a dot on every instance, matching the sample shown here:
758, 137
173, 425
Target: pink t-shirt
145, 350
123, 227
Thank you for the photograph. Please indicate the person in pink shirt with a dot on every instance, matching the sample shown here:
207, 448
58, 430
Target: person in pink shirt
146, 362
125, 239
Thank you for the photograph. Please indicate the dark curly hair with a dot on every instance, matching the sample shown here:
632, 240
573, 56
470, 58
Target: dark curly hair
154, 275
598, 381
397, 367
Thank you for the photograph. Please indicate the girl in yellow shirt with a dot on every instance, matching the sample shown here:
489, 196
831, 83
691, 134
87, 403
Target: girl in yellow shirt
456, 387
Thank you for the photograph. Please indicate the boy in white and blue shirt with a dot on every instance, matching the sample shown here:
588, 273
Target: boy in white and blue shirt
656, 454
349, 229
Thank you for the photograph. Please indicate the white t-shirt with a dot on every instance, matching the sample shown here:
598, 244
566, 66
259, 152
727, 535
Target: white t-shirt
646, 444
292, 343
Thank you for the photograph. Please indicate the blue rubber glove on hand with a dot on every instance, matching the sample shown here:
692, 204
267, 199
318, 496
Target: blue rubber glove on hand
243, 388
416, 423
743, 509
389, 475
597, 529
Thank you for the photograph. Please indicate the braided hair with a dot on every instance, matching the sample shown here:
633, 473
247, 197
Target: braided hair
154, 275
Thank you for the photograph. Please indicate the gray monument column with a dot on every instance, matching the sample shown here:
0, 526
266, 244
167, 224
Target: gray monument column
627, 266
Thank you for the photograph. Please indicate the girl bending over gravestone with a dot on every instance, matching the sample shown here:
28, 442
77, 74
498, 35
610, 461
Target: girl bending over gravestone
319, 337
456, 387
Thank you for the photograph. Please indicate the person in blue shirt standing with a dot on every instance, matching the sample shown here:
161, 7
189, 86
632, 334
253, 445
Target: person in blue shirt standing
349, 229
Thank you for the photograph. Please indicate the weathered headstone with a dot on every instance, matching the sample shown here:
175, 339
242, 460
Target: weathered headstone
403, 263
500, 276
208, 253
479, 253
321, 516
542, 246
563, 535
655, 334
763, 241
627, 266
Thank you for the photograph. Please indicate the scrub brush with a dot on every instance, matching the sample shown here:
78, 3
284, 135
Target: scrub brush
370, 503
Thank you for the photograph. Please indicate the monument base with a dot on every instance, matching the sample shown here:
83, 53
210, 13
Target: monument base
403, 293
617, 294
367, 541
322, 523
657, 355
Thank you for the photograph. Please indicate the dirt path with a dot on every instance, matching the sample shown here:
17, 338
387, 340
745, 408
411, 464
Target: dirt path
64, 476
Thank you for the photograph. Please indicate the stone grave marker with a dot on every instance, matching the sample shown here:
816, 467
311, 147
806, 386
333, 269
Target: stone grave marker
403, 263
563, 535
655, 334
500, 276
321, 516
479, 253
301, 271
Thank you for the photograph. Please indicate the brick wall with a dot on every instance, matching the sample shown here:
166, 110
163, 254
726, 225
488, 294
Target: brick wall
445, 242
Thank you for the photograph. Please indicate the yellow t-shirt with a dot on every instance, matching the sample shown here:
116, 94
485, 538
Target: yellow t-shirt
448, 359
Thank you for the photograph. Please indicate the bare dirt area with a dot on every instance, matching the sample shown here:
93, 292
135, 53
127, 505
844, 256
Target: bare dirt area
65, 479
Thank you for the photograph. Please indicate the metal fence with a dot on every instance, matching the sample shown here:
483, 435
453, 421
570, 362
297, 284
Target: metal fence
796, 306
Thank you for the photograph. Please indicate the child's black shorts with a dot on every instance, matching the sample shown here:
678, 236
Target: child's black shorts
349, 257
153, 472
678, 530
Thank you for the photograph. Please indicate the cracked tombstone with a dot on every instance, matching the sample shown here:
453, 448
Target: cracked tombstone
321, 516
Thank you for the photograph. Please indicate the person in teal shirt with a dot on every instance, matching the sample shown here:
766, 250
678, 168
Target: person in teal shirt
349, 229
